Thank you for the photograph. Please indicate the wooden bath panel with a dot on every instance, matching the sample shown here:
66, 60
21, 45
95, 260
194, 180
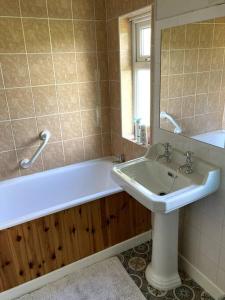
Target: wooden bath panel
38, 247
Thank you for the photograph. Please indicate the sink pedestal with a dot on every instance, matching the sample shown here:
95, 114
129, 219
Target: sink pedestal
162, 272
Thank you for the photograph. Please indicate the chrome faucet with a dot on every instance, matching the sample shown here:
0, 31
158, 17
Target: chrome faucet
167, 152
188, 166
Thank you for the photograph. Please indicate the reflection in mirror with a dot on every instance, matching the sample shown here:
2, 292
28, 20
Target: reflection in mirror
193, 81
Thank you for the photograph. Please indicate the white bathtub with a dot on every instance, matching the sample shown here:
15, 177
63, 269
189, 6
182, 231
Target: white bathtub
30, 197
216, 138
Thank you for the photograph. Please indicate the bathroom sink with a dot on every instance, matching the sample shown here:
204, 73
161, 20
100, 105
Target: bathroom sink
164, 181
160, 186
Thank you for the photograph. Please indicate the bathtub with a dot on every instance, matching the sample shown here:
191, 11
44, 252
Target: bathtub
30, 197
216, 138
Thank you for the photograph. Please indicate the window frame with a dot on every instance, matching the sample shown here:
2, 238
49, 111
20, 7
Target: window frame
138, 61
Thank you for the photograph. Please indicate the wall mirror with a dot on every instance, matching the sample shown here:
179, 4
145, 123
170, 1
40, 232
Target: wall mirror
192, 99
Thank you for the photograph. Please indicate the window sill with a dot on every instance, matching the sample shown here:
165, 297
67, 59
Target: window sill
130, 138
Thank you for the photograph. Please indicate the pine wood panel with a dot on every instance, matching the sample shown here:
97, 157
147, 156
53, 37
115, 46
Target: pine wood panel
38, 247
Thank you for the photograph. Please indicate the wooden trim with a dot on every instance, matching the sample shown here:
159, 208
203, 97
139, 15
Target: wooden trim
38, 247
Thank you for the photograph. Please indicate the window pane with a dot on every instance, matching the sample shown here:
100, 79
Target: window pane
145, 41
143, 96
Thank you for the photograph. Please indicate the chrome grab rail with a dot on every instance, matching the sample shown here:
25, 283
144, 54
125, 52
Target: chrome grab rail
165, 115
27, 163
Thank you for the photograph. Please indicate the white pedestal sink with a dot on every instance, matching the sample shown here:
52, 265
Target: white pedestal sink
163, 189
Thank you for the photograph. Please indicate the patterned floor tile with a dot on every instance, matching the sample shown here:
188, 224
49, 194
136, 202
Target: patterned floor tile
135, 262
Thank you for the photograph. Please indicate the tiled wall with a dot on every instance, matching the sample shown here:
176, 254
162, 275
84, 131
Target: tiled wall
193, 77
53, 75
114, 9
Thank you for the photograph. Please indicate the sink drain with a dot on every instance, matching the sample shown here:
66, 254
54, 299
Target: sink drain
162, 194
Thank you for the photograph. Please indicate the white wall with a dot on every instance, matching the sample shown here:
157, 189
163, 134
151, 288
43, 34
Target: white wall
202, 239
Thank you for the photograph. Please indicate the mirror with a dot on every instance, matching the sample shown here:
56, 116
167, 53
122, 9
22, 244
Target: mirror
192, 97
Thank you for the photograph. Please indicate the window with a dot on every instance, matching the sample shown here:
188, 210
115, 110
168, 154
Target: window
141, 48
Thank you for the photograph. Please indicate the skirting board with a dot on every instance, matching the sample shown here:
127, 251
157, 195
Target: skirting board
85, 262
201, 279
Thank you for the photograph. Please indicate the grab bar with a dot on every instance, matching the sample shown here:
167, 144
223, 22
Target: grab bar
165, 115
27, 163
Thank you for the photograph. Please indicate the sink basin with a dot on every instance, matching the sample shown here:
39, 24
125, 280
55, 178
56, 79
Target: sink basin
161, 187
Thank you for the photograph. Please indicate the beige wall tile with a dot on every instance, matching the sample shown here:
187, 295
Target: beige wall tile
15, 70
205, 59
9, 8
6, 138
65, 67
206, 35
176, 61
41, 69
45, 101
68, 98
51, 123
71, 125
192, 36
4, 114
34, 8
74, 151
88, 95
86, 67
62, 37
36, 35
25, 132
105, 120
103, 65
191, 60
90, 122
189, 87
175, 86
177, 40
116, 121
101, 35
201, 104
53, 156
165, 62
113, 34
20, 103
59, 9
188, 106
165, 87
93, 147
219, 36
28, 153
8, 165
114, 68
215, 81
114, 91
202, 82
217, 59
165, 39
104, 93
174, 107
214, 102
100, 10
85, 35
11, 36
83, 9
106, 145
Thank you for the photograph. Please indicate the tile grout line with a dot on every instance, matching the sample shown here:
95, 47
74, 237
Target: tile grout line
11, 125
78, 90
55, 85
29, 74
98, 80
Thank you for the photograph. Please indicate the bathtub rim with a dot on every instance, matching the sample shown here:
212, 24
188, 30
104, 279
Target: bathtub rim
60, 207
